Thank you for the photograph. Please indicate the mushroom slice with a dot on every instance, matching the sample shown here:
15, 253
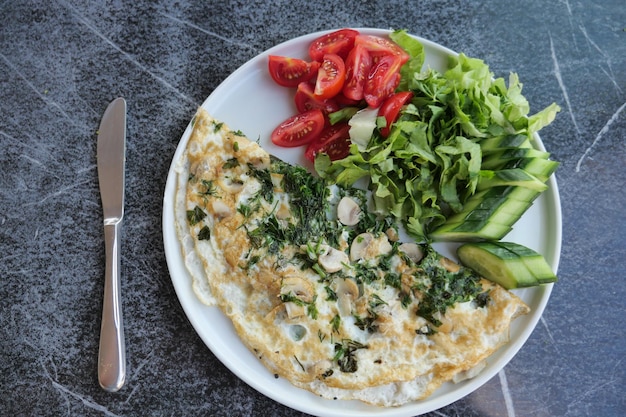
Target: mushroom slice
298, 287
347, 291
366, 246
358, 248
392, 234
412, 250
230, 185
294, 310
449, 265
221, 209
331, 259
348, 211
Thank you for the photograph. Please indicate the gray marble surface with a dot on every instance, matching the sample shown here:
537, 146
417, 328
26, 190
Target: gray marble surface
62, 61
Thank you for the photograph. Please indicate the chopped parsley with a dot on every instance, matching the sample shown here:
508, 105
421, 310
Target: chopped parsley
392, 279
446, 288
269, 234
367, 323
376, 301
265, 179
217, 126
335, 322
482, 299
204, 233
365, 273
209, 188
231, 163
344, 355
195, 216
330, 294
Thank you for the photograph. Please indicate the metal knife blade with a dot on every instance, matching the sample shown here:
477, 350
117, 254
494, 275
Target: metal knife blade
111, 176
111, 159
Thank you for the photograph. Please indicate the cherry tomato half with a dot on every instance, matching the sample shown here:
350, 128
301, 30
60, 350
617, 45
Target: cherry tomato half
382, 80
378, 47
339, 43
391, 108
330, 76
333, 141
306, 100
358, 64
289, 72
299, 129
344, 101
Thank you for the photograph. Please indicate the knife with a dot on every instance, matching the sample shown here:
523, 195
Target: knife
111, 162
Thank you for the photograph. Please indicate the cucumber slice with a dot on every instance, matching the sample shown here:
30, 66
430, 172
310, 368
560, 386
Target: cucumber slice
539, 167
499, 208
500, 143
497, 160
506, 192
489, 218
521, 194
496, 264
467, 231
479, 201
514, 176
534, 261
505, 214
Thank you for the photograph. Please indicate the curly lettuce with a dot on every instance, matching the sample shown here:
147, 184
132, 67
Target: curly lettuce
430, 163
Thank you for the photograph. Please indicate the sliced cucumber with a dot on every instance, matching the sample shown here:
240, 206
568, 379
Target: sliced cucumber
487, 215
492, 207
499, 215
539, 167
497, 264
521, 194
514, 176
494, 194
466, 231
497, 160
500, 143
534, 261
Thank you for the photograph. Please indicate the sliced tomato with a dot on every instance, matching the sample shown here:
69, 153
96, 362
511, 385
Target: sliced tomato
330, 76
299, 129
289, 72
333, 141
344, 101
306, 100
378, 46
382, 80
339, 43
391, 109
358, 64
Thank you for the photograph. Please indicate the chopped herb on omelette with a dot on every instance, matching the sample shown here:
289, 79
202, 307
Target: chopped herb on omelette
319, 288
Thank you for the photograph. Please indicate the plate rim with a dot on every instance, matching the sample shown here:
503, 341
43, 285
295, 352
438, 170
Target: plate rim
191, 305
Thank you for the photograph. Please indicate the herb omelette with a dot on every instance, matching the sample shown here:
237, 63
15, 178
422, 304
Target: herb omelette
320, 289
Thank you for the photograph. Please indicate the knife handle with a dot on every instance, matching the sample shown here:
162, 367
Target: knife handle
112, 355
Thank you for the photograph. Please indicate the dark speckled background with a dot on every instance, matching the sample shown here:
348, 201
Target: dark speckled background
61, 62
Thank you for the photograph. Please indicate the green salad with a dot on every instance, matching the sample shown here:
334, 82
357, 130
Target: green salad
448, 146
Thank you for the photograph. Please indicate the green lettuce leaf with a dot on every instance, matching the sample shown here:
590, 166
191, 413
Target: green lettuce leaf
430, 164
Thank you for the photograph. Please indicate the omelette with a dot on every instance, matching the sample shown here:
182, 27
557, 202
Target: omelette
321, 289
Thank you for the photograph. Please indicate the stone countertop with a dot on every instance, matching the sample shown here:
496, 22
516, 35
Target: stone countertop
62, 61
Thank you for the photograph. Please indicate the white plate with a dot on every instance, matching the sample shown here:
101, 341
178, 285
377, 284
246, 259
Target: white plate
248, 100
